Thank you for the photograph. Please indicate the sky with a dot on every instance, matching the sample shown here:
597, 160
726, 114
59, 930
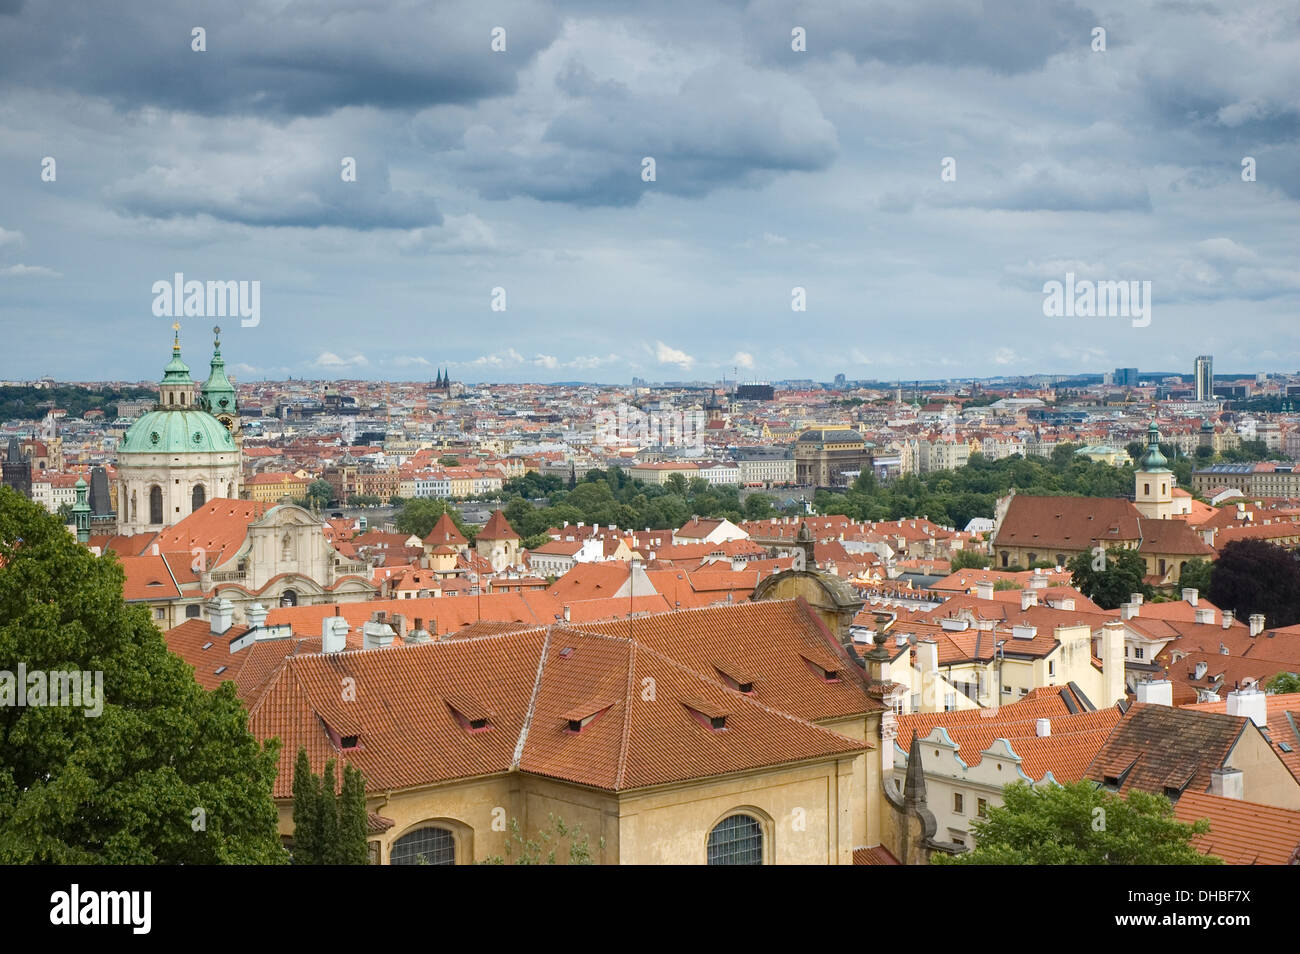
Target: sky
919, 170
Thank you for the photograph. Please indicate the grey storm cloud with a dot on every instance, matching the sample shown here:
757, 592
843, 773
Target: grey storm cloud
1005, 36
722, 127
266, 58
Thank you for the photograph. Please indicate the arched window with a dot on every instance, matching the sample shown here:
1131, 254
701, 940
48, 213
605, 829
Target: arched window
736, 840
198, 498
171, 398
424, 846
289, 598
230, 491
155, 504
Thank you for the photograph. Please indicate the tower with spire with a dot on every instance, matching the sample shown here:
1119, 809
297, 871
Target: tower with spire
1153, 481
217, 396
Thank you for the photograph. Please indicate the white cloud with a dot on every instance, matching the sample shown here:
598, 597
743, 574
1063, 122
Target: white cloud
586, 362
328, 359
547, 361
742, 359
665, 354
410, 360
510, 358
11, 237
30, 271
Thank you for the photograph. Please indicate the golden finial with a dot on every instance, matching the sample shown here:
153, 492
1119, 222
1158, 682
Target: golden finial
176, 341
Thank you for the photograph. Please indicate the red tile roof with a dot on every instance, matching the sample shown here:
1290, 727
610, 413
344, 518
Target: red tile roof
1241, 832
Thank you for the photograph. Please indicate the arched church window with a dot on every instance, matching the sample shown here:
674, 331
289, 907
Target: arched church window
155, 504
198, 498
289, 598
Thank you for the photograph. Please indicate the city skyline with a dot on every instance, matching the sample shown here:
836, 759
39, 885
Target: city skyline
914, 176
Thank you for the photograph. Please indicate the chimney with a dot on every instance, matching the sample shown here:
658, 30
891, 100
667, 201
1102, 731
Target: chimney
376, 634
1250, 703
1112, 661
1205, 614
1020, 631
1043, 728
927, 655
1067, 603
567, 612
333, 634
984, 589
1228, 618
256, 615
1200, 670
1135, 599
1227, 783
221, 613
1191, 594
1256, 623
1038, 582
398, 624
1156, 692
1028, 598
1127, 610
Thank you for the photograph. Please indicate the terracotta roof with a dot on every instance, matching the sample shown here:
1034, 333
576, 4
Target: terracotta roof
878, 855
1066, 523
497, 528
1283, 720
220, 527
444, 533
1167, 750
1241, 832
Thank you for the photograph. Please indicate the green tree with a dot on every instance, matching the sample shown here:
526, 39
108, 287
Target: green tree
970, 559
306, 811
758, 507
1081, 824
319, 494
1253, 576
418, 516
1197, 574
65, 513
329, 826
449, 461
677, 484
544, 847
1284, 682
1109, 579
165, 773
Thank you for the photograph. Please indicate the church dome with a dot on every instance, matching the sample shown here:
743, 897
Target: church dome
177, 432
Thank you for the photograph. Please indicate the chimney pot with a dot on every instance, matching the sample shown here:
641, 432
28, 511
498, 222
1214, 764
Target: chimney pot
1250, 703
1043, 728
1158, 692
1228, 619
1256, 623
1191, 594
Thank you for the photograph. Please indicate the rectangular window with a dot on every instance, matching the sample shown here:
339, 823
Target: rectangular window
1051, 667
1006, 690
1139, 653
949, 701
958, 803
982, 807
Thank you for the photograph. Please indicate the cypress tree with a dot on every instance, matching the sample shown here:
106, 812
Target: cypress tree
352, 819
329, 818
306, 812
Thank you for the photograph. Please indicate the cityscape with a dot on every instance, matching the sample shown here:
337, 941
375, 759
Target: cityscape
577, 444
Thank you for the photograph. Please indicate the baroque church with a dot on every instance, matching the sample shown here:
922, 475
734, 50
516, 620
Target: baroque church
182, 453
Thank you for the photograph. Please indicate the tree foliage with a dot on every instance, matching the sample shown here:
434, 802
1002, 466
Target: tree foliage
329, 826
419, 515
1110, 581
1284, 682
1197, 574
1081, 824
1254, 576
954, 497
166, 773
544, 847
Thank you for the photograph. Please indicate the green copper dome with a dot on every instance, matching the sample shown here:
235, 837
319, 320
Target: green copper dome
1153, 460
177, 432
217, 393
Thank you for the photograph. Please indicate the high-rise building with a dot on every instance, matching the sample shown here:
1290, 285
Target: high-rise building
1203, 373
1126, 377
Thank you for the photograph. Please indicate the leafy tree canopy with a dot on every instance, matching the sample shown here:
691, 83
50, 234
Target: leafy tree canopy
1081, 824
165, 773
1108, 579
1254, 576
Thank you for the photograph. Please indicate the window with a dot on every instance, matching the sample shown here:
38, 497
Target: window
159, 613
192, 611
1051, 667
1146, 490
949, 701
425, 846
289, 598
1006, 690
982, 807
1139, 653
736, 840
198, 497
958, 803
155, 504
